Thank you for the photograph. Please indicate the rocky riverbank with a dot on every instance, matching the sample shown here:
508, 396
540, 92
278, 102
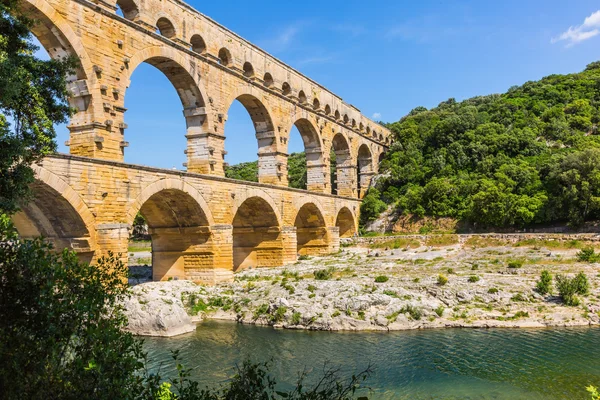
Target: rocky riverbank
384, 284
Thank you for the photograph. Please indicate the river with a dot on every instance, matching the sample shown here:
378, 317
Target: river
431, 364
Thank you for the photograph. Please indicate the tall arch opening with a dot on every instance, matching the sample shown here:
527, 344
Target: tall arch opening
311, 232
165, 28
155, 128
305, 161
268, 80
364, 169
249, 126
51, 216
340, 158
345, 222
180, 235
256, 236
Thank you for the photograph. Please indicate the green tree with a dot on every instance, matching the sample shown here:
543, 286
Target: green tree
33, 98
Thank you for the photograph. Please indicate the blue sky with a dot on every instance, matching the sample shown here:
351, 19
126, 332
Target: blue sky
385, 57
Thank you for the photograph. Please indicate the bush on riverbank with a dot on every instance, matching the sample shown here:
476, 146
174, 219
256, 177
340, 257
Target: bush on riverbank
569, 288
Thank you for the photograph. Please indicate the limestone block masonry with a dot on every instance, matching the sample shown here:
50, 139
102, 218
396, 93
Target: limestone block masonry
202, 225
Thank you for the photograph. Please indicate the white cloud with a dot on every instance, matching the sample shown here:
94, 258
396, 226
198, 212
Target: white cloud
376, 116
585, 31
284, 39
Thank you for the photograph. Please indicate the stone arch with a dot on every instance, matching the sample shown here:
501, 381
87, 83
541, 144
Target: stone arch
336, 115
340, 160
368, 130
257, 239
198, 44
361, 127
286, 89
166, 28
327, 109
59, 214
168, 184
316, 104
364, 169
129, 8
185, 79
225, 58
314, 153
346, 222
180, 72
380, 137
179, 223
311, 231
302, 97
268, 80
346, 119
248, 70
265, 135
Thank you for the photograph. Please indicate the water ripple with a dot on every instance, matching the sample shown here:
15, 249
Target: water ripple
436, 364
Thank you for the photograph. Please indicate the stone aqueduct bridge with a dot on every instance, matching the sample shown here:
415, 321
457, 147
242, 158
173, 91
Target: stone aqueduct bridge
203, 226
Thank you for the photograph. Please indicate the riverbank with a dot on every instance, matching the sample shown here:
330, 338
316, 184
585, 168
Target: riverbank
385, 284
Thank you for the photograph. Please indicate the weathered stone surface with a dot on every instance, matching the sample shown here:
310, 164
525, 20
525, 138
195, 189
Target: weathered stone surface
156, 309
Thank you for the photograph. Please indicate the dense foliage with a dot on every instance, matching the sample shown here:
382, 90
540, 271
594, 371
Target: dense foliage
248, 171
531, 155
33, 97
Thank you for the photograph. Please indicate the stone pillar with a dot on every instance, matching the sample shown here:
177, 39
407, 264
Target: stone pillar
346, 180
112, 237
290, 244
222, 241
365, 182
334, 239
205, 149
272, 164
92, 135
317, 175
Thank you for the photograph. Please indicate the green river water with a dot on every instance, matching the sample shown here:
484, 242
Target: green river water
434, 364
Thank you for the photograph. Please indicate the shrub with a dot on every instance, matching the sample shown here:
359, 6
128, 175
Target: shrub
390, 293
544, 285
474, 278
311, 288
515, 264
568, 288
493, 290
336, 313
260, 311
442, 280
324, 274
279, 314
588, 254
581, 283
296, 317
518, 297
451, 271
439, 311
415, 312
381, 279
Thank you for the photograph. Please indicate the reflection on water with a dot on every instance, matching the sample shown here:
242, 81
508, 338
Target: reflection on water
436, 364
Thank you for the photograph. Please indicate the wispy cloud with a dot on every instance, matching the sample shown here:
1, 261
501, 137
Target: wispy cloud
580, 33
376, 116
284, 38
425, 29
316, 60
349, 29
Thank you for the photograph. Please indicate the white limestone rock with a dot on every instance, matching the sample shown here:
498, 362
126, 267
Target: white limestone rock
156, 309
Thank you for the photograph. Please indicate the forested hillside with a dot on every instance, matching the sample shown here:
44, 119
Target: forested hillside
531, 155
